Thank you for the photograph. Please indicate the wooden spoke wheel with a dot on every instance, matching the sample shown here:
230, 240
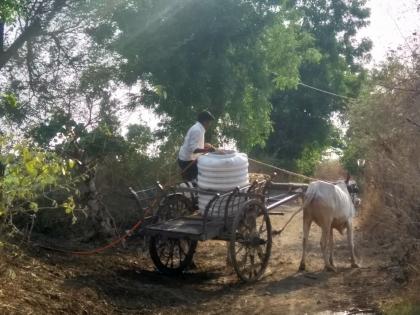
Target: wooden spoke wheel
172, 255
251, 241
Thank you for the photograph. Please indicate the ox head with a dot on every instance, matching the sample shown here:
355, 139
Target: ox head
353, 190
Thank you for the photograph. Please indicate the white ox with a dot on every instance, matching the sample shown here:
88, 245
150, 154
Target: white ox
331, 207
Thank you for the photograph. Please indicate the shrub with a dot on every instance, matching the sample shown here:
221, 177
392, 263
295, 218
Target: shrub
32, 178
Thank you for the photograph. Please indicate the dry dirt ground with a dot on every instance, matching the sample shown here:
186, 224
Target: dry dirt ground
38, 281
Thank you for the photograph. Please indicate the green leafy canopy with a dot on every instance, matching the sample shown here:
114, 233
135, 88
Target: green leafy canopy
225, 56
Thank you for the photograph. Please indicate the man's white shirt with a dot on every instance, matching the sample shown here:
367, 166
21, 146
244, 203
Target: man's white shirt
193, 140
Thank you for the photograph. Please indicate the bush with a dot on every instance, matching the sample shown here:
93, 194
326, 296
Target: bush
385, 126
330, 170
32, 178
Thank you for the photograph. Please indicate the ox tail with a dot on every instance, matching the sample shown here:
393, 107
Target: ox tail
309, 196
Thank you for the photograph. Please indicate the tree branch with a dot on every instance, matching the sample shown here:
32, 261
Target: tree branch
32, 30
398, 88
1, 37
28, 33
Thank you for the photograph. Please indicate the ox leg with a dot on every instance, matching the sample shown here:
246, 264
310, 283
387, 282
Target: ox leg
331, 243
324, 246
306, 227
351, 245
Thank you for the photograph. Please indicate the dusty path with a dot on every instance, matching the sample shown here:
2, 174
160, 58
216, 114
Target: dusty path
125, 283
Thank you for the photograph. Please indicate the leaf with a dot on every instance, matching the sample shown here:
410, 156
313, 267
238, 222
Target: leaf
33, 206
26, 154
10, 100
69, 205
71, 163
30, 168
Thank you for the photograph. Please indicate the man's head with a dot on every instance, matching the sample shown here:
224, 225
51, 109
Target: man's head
205, 118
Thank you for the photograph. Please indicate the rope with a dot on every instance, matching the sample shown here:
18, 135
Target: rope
286, 171
288, 221
326, 92
99, 249
110, 245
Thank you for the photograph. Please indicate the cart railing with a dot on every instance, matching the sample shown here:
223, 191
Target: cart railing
147, 199
224, 206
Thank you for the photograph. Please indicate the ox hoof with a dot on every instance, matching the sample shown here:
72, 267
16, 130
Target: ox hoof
330, 269
354, 265
302, 267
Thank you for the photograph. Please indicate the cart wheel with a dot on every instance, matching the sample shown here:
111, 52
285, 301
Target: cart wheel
250, 242
172, 255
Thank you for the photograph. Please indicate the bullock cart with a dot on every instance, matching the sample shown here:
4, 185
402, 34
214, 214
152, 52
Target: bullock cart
240, 217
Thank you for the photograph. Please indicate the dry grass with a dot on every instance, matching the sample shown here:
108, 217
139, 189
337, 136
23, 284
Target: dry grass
330, 170
258, 177
386, 125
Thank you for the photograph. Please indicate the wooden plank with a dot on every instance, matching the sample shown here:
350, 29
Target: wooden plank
274, 185
277, 197
282, 201
191, 228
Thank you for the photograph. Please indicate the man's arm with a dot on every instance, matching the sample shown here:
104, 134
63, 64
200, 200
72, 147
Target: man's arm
209, 147
204, 150
195, 140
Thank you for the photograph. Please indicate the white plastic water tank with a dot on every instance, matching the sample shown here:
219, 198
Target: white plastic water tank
220, 172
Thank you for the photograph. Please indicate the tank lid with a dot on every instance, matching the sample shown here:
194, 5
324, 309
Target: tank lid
223, 153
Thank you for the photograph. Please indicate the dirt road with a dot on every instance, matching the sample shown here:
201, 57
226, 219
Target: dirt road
123, 282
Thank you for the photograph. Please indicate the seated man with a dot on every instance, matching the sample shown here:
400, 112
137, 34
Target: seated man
194, 145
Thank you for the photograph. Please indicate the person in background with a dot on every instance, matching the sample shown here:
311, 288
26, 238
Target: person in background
194, 145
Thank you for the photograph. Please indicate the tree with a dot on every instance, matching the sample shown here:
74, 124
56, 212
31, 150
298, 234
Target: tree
33, 179
63, 93
90, 147
302, 116
35, 17
192, 55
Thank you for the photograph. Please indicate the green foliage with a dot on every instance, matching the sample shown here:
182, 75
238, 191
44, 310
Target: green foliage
309, 160
377, 116
287, 47
352, 153
10, 108
102, 142
301, 117
206, 54
242, 60
76, 140
9, 8
249, 123
60, 124
139, 137
32, 173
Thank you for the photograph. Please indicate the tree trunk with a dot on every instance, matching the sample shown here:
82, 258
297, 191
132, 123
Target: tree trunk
100, 216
